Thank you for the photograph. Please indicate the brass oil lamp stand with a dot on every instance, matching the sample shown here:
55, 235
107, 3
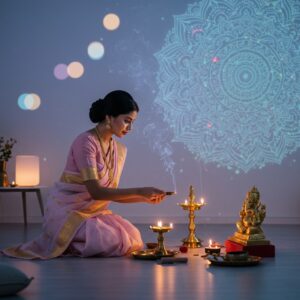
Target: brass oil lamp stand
191, 241
160, 250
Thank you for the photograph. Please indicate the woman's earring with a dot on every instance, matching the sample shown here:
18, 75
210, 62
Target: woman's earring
107, 125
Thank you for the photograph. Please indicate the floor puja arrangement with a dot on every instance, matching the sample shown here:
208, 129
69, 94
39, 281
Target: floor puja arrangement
246, 247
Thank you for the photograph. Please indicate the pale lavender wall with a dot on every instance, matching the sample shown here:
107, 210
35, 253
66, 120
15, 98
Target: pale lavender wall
37, 35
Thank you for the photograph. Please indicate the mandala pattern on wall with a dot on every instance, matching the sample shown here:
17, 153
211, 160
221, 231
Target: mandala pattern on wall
229, 81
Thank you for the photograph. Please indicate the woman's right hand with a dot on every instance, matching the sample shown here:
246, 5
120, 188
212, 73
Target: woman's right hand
152, 195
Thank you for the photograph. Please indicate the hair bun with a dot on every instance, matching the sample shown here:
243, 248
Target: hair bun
114, 104
97, 111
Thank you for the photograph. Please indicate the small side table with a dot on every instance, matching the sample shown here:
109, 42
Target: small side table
24, 190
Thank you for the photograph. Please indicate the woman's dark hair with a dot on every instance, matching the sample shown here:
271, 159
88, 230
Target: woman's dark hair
114, 104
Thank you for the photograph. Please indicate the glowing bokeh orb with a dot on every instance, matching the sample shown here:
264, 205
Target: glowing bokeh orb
21, 102
95, 50
60, 71
75, 69
111, 21
32, 101
229, 81
29, 101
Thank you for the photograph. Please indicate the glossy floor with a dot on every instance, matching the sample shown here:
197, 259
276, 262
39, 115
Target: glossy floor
126, 278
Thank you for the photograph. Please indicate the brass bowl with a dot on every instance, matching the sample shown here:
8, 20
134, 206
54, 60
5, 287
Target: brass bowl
237, 256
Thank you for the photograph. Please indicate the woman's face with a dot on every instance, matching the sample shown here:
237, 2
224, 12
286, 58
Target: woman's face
122, 124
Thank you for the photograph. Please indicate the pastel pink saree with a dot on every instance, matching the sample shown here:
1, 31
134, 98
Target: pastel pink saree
74, 223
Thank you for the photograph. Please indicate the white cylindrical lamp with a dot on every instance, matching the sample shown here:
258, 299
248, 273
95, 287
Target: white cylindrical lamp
27, 170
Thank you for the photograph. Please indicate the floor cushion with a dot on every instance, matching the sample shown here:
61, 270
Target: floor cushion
12, 280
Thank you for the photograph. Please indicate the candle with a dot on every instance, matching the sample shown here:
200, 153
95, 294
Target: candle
171, 225
212, 248
185, 202
202, 200
159, 223
13, 184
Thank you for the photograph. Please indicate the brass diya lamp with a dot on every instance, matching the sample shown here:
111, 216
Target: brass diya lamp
158, 251
191, 241
160, 229
213, 248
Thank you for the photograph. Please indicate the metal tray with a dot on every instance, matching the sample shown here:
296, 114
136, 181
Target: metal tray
150, 254
251, 261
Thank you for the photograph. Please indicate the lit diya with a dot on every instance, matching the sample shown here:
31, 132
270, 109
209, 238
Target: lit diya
213, 248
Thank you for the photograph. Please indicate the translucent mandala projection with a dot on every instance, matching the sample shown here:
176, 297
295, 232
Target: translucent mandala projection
229, 81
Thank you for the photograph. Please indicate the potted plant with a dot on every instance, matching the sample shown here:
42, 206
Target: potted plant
5, 154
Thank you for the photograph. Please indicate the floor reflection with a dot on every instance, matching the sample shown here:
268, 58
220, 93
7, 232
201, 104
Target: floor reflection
183, 280
164, 281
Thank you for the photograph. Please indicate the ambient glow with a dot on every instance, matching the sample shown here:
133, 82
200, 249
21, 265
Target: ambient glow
32, 101
21, 102
27, 170
95, 50
29, 101
111, 22
75, 69
60, 71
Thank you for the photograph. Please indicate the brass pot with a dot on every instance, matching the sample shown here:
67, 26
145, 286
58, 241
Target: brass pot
3, 174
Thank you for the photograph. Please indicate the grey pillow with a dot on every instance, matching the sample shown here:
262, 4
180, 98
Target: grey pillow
12, 280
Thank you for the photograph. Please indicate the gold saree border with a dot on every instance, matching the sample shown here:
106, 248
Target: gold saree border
85, 174
66, 233
89, 173
71, 178
19, 253
72, 224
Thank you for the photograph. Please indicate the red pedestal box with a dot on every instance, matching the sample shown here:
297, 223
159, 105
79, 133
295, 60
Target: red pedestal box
255, 250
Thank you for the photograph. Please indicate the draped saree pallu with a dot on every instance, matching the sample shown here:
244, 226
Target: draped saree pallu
74, 223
